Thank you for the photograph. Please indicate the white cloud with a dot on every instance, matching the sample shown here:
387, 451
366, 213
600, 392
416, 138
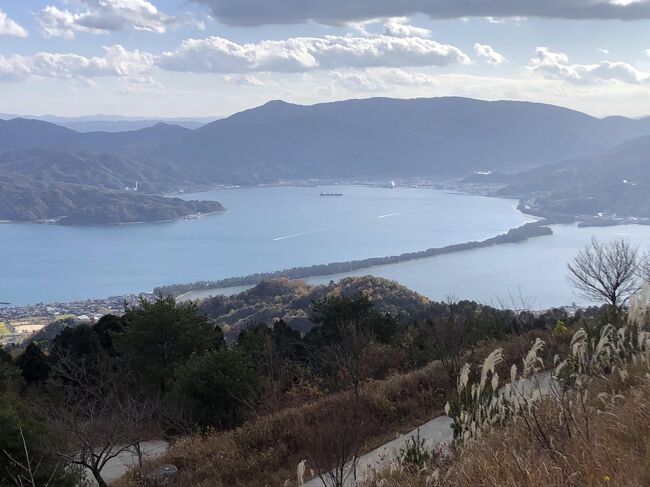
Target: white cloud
259, 12
603, 51
381, 79
398, 27
117, 61
300, 54
555, 65
140, 85
243, 80
502, 20
488, 53
13, 68
10, 27
103, 16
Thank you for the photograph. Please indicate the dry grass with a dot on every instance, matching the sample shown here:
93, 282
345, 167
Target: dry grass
606, 446
592, 429
611, 449
266, 450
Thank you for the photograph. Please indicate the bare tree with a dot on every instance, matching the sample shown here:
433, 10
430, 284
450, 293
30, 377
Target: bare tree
449, 337
334, 442
644, 267
349, 354
138, 413
27, 469
605, 272
93, 413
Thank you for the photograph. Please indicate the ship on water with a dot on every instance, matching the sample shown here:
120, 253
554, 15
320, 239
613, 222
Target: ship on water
331, 194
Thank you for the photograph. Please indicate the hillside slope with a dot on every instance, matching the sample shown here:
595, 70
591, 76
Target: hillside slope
90, 188
292, 301
74, 204
20, 134
389, 137
614, 183
377, 137
104, 170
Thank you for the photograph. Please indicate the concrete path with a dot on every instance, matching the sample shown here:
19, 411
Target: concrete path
119, 465
433, 433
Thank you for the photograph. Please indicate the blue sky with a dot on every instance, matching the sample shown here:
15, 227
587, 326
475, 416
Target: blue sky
215, 57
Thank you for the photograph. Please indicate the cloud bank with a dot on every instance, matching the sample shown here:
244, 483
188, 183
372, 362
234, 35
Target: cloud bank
301, 54
260, 12
9, 27
555, 65
103, 16
116, 61
488, 53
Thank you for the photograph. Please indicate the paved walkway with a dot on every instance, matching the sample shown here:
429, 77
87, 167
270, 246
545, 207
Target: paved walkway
434, 432
118, 466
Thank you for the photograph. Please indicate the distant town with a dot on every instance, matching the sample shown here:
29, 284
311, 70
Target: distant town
19, 323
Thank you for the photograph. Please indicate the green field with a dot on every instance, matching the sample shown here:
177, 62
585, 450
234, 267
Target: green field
4, 330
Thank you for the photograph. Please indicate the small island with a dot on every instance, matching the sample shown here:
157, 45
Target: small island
89, 189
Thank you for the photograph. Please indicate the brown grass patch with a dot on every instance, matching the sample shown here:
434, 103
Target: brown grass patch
266, 450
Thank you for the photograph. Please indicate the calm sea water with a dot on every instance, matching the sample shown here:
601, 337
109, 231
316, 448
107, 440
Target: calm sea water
268, 229
529, 274
265, 229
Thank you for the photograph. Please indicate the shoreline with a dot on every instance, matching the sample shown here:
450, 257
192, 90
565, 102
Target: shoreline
333, 268
449, 185
52, 222
522, 233
519, 234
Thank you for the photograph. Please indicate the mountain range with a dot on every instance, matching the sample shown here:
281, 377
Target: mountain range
398, 138
615, 183
113, 123
370, 138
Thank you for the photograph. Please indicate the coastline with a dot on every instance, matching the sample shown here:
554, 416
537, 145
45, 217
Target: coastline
519, 234
333, 268
53, 222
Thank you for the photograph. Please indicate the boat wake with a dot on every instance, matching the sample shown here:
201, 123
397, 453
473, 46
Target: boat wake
290, 236
388, 215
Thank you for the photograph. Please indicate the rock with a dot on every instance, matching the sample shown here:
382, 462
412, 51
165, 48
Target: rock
161, 476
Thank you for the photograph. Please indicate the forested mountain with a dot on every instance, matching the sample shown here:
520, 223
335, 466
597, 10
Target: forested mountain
108, 171
75, 204
86, 187
389, 137
354, 138
616, 182
20, 134
292, 301
113, 123
370, 138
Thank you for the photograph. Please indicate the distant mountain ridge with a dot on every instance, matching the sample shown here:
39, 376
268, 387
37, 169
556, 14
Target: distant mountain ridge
113, 123
376, 138
21, 134
615, 183
355, 138
84, 187
400, 138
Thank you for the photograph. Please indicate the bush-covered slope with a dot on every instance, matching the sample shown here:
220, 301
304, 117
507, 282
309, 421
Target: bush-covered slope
292, 301
615, 182
75, 204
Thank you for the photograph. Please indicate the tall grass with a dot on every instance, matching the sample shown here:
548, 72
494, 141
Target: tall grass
266, 450
583, 422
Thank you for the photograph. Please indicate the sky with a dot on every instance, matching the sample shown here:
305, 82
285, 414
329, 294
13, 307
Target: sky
202, 58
